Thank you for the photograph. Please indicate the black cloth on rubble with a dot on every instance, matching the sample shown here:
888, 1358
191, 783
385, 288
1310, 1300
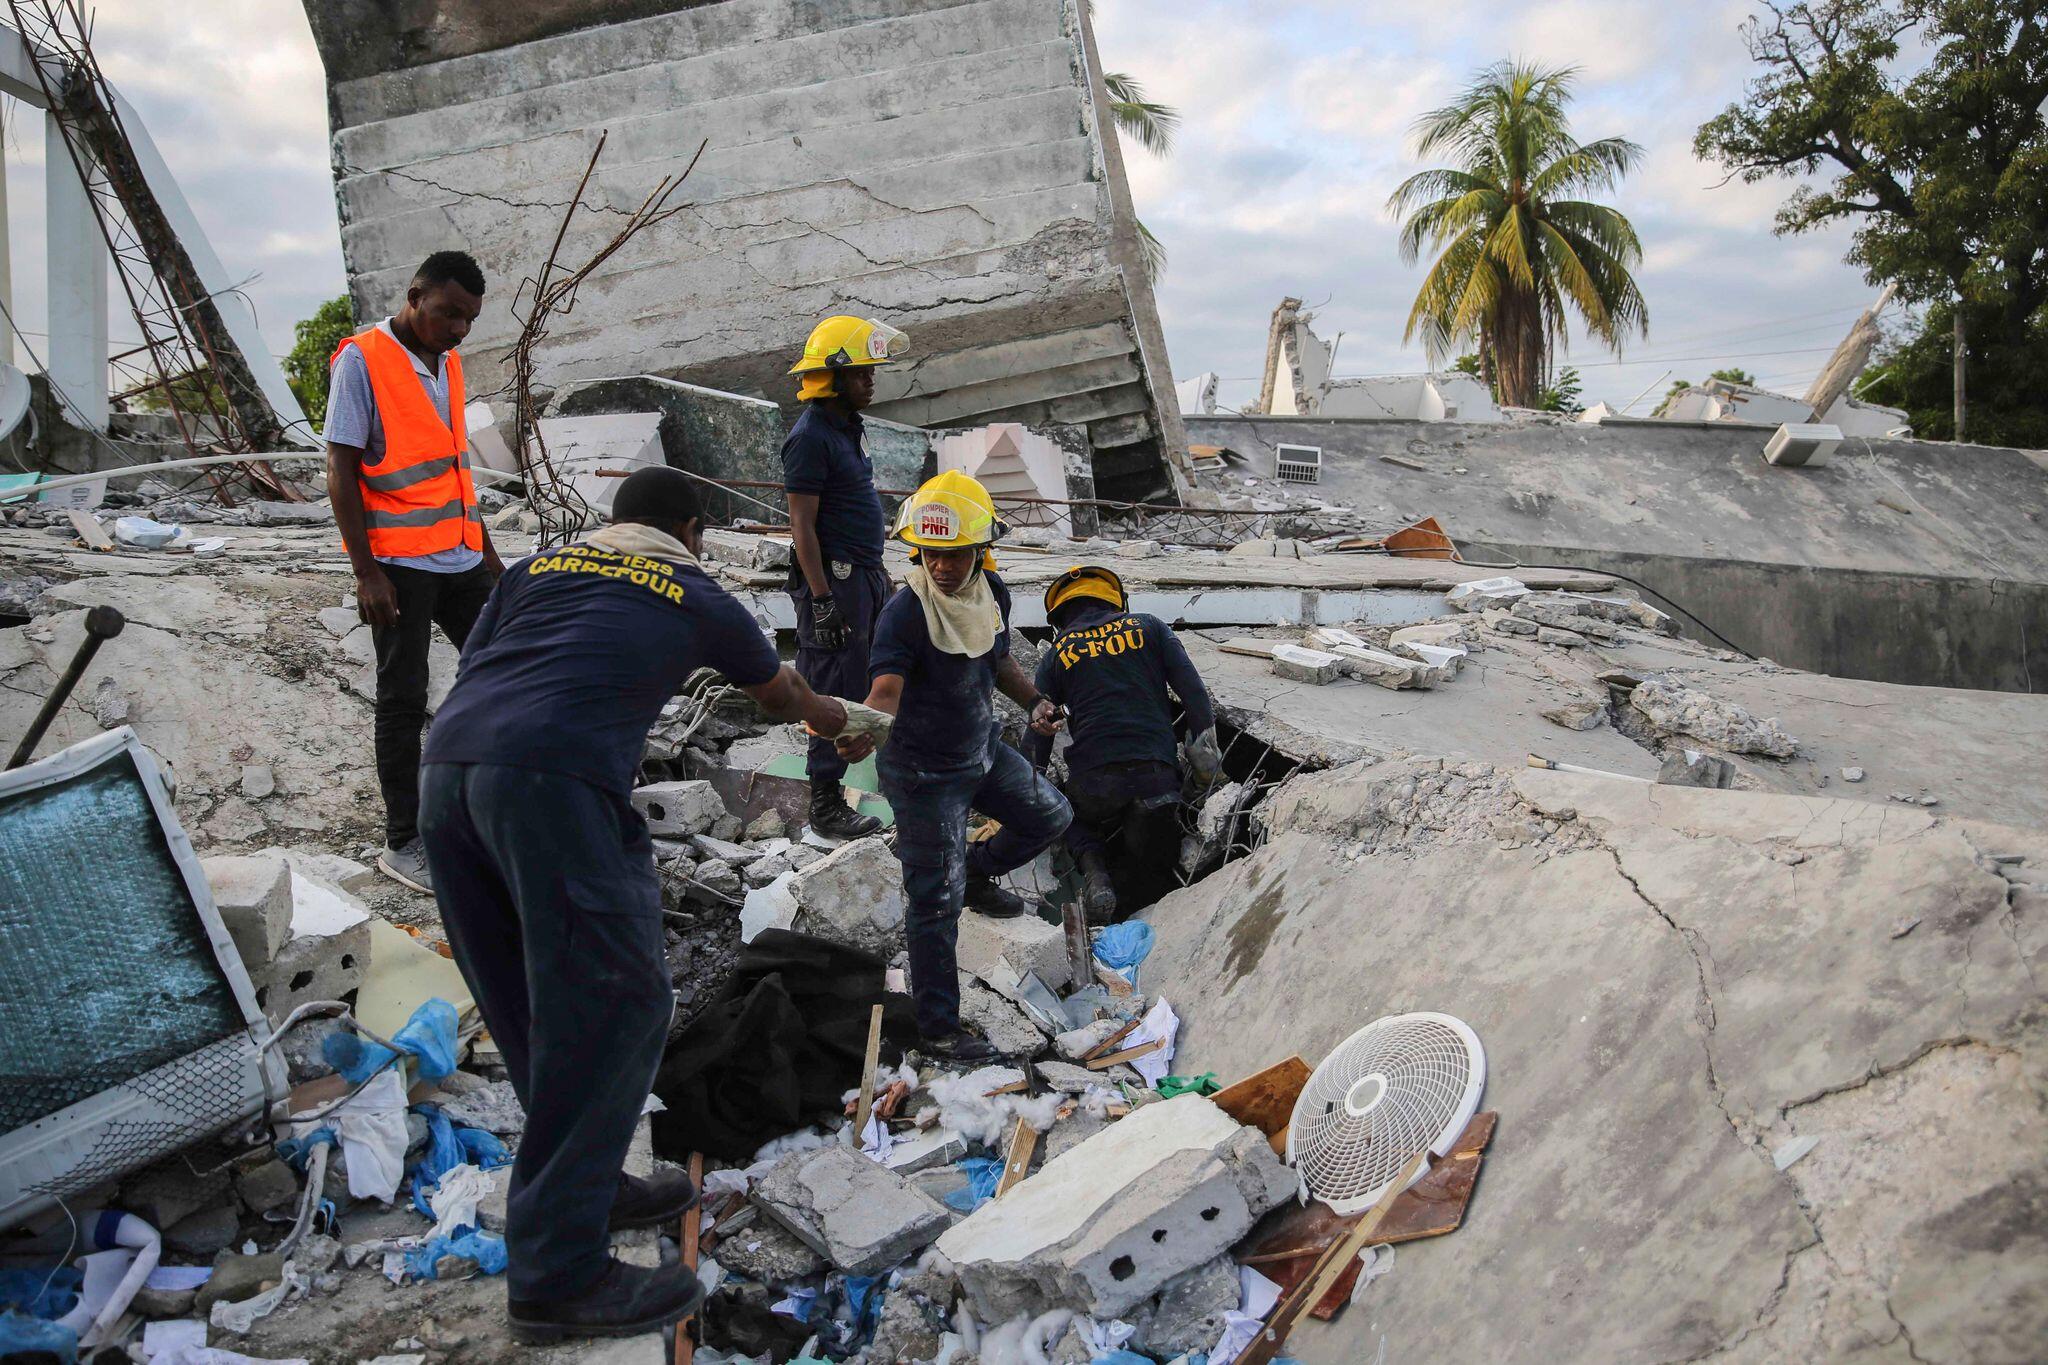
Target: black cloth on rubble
777, 1049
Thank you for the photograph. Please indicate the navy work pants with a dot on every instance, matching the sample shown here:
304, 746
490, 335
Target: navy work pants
426, 599
548, 894
1130, 814
842, 672
931, 842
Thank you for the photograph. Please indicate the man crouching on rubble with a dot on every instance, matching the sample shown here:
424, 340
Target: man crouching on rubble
545, 877
941, 648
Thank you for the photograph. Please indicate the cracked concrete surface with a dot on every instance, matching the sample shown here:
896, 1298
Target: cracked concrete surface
1671, 983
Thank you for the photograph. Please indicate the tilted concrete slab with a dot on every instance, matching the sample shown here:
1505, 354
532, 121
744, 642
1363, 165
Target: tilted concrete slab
1670, 983
941, 164
1904, 561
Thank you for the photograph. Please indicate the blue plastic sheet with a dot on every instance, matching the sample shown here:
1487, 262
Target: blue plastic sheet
28, 1337
1122, 1358
429, 1035
982, 1174
41, 1292
448, 1147
487, 1249
1121, 947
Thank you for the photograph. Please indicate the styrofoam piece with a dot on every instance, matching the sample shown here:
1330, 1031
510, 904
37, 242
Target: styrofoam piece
1802, 445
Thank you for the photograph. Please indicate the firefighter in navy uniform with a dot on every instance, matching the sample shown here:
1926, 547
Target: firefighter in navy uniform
1112, 669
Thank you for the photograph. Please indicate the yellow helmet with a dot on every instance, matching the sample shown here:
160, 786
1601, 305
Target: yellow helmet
1086, 580
841, 341
949, 512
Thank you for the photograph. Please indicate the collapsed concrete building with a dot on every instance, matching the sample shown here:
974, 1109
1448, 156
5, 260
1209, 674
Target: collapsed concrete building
944, 166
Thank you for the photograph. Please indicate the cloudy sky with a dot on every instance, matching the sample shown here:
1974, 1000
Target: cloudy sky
1295, 129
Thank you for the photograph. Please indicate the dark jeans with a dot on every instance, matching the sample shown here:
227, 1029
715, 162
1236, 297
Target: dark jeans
425, 600
841, 672
548, 895
1129, 813
931, 842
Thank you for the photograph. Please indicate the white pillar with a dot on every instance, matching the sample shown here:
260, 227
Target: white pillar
6, 267
77, 356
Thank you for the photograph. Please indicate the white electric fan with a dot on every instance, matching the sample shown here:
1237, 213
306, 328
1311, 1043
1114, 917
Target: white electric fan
1396, 1087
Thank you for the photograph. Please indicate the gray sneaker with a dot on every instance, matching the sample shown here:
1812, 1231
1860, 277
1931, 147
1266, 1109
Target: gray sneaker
407, 866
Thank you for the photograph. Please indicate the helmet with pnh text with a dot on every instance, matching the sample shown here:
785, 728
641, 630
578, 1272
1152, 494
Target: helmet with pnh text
950, 512
840, 341
1086, 580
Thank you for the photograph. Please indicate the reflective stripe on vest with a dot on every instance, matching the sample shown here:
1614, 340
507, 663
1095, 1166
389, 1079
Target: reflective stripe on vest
419, 499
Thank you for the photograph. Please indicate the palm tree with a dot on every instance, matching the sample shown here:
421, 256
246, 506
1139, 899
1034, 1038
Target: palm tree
1152, 125
1513, 249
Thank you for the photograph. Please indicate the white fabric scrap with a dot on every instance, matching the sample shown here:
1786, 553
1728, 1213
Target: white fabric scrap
240, 1317
1241, 1326
875, 1140
1373, 1262
1160, 1024
454, 1201
1105, 1337
371, 1127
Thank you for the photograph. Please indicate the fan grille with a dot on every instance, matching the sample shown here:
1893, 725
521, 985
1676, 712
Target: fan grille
1393, 1089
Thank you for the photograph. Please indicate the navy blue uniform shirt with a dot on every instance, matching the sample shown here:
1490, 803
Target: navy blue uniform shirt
948, 709
823, 454
576, 653
1111, 669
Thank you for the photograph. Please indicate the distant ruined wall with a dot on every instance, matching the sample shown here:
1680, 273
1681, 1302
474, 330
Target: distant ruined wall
936, 163
1916, 562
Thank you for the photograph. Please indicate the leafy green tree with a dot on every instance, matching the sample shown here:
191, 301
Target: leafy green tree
1152, 125
1734, 376
1516, 250
313, 343
1468, 363
1943, 170
1915, 370
1562, 395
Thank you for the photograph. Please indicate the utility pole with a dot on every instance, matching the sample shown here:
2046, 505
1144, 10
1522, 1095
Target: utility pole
1962, 365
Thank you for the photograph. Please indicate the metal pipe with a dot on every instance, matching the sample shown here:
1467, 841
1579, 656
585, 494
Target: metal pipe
101, 625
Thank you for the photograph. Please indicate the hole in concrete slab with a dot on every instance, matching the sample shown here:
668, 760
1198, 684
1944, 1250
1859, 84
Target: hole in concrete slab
1122, 1268
348, 962
1159, 1234
301, 980
656, 811
1211, 1215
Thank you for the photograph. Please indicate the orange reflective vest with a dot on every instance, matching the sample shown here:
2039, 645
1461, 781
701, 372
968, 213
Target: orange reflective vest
419, 499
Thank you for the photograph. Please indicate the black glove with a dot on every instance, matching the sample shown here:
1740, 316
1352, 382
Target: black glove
828, 627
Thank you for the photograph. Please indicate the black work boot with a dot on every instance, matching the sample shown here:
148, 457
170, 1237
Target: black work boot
1098, 896
832, 818
626, 1301
961, 1045
651, 1203
985, 897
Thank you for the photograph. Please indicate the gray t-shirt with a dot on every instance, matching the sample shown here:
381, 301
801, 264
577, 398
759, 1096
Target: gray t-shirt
352, 421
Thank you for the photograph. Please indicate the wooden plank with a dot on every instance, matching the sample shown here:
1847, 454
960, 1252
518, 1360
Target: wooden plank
1017, 1164
1141, 1050
1251, 649
1267, 1344
867, 1076
89, 529
693, 1240
1080, 950
1265, 1099
1109, 1043
1113, 983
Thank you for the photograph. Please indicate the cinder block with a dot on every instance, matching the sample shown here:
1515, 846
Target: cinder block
1104, 1226
326, 964
254, 896
1001, 951
676, 810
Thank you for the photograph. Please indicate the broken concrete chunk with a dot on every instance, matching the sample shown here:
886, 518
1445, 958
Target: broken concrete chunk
1067, 1078
1138, 549
758, 1247
1485, 592
205, 1234
1103, 1227
254, 896
1256, 549
747, 551
1078, 1043
710, 846
675, 810
1691, 768
1447, 634
1008, 1029
717, 880
270, 1185
1441, 660
339, 621
862, 1217
325, 957
1003, 951
1563, 639
1680, 710
853, 895
1306, 665
1381, 668
939, 1147
1188, 1314
1508, 624
1852, 774
1578, 715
